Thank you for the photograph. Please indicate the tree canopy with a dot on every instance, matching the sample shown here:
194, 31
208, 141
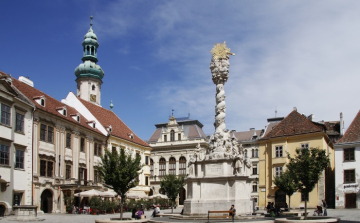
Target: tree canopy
285, 182
172, 185
120, 172
306, 168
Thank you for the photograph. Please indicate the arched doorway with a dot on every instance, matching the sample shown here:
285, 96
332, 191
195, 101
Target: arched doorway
182, 196
46, 201
2, 210
280, 197
151, 192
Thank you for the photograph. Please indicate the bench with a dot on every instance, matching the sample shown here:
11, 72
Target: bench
229, 212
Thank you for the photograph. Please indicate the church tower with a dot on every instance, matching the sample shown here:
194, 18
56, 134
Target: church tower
88, 74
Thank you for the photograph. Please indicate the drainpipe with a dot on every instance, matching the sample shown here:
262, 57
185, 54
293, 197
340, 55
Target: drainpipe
32, 157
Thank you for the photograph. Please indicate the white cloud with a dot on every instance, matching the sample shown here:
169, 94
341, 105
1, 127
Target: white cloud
303, 54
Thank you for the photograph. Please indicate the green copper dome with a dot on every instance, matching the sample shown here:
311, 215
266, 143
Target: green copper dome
89, 68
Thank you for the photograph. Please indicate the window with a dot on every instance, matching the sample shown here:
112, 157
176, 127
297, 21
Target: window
97, 177
278, 171
99, 150
82, 172
5, 114
68, 172
113, 149
68, 140
254, 170
172, 135
254, 187
4, 154
182, 166
19, 159
256, 153
93, 87
50, 134
162, 167
82, 145
304, 145
17, 198
165, 138
278, 151
146, 180
349, 176
179, 136
146, 160
245, 153
172, 166
151, 167
46, 168
46, 133
95, 149
304, 196
42, 102
19, 124
349, 154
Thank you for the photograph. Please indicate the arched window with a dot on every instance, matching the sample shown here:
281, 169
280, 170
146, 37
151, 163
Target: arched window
245, 153
172, 166
182, 166
93, 87
87, 50
179, 136
151, 167
165, 138
162, 167
172, 135
92, 50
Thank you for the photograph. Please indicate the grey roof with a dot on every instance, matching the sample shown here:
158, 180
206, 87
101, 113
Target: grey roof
248, 135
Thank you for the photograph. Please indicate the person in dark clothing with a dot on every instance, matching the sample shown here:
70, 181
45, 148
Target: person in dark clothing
133, 213
324, 204
233, 211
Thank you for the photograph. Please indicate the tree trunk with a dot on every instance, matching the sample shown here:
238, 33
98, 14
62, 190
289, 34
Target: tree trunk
121, 208
289, 201
305, 214
172, 207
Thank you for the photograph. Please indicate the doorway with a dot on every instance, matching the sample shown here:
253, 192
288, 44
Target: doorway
182, 196
46, 201
280, 198
350, 200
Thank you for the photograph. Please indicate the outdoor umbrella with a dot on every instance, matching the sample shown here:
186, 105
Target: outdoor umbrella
88, 193
158, 196
108, 194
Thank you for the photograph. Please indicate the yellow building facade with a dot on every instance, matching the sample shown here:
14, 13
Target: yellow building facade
293, 132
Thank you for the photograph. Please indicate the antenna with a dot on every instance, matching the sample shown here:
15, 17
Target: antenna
275, 112
172, 112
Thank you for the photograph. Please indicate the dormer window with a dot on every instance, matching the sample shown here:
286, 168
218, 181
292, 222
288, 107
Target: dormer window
131, 136
76, 117
109, 128
91, 124
40, 100
172, 135
62, 110
93, 87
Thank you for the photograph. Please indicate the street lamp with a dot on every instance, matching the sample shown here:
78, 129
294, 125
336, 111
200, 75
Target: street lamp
79, 185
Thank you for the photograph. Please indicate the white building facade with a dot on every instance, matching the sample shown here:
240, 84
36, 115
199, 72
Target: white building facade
15, 147
172, 145
347, 168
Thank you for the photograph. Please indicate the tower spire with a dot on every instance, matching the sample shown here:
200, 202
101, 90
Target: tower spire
91, 18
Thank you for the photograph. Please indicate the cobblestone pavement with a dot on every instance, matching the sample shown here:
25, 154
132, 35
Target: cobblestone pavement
346, 215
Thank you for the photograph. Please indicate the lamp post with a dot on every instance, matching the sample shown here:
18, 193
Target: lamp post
79, 185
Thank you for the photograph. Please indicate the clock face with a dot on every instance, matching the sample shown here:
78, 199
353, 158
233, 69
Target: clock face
92, 97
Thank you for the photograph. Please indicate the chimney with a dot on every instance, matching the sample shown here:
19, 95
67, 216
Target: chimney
26, 80
311, 117
341, 124
295, 109
252, 129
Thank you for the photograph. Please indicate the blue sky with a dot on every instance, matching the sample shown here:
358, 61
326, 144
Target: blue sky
155, 55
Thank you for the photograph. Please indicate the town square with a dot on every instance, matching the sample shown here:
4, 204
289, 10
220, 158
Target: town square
179, 111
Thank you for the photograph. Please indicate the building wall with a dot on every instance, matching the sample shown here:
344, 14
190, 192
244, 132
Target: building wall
15, 181
60, 155
268, 162
341, 188
133, 149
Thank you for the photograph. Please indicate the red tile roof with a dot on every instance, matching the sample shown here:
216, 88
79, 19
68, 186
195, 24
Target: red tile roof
293, 124
352, 134
51, 104
107, 118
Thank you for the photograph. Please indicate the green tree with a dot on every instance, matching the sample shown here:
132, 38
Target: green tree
120, 172
306, 168
285, 182
172, 186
